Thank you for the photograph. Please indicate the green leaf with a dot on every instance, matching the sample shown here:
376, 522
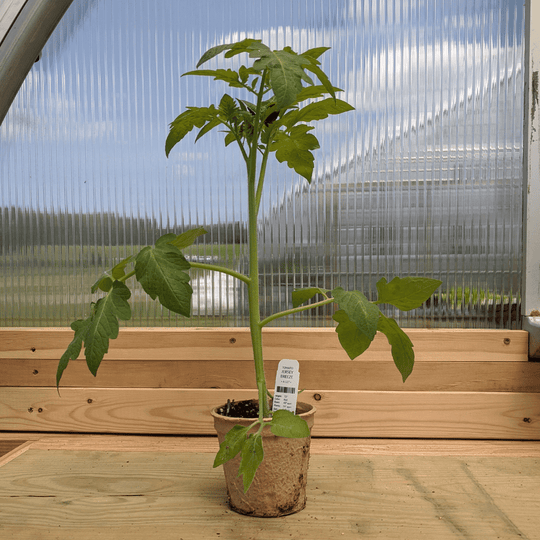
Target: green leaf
351, 339
286, 424
210, 53
315, 53
231, 445
252, 456
209, 126
295, 148
232, 48
363, 313
227, 75
104, 324
104, 283
96, 330
245, 72
187, 238
229, 138
184, 123
300, 296
228, 107
73, 350
313, 92
406, 293
119, 270
402, 347
286, 72
161, 272
318, 110
322, 77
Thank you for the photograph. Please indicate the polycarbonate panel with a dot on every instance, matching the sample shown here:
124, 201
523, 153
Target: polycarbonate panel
423, 178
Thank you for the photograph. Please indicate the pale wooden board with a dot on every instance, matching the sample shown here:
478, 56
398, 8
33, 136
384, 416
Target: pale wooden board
495, 415
16, 452
322, 344
7, 446
345, 375
85, 495
328, 446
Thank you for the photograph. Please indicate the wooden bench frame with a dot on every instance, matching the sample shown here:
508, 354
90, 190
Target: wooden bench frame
466, 384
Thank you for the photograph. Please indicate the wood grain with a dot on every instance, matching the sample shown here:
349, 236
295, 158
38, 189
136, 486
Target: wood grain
344, 375
62, 494
7, 446
317, 344
322, 446
491, 415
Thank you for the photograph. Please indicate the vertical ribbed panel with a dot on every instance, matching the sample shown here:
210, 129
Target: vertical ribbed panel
424, 178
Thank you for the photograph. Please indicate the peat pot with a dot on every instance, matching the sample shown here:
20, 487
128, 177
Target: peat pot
279, 486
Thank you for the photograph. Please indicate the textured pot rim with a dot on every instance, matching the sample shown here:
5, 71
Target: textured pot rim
310, 412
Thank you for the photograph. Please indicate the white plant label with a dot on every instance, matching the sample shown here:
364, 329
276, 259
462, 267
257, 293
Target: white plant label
286, 390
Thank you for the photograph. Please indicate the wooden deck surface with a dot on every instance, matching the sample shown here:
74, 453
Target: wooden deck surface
124, 487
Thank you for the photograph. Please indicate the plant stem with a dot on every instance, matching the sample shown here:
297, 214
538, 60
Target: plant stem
221, 269
275, 316
261, 176
253, 285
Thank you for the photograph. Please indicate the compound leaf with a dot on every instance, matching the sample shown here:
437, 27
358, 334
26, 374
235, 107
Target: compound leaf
286, 72
227, 75
300, 296
232, 444
252, 455
231, 48
187, 238
295, 148
363, 313
73, 350
161, 270
406, 293
318, 110
185, 122
104, 324
402, 347
353, 341
287, 424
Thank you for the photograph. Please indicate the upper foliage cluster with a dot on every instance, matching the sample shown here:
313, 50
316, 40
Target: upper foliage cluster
275, 121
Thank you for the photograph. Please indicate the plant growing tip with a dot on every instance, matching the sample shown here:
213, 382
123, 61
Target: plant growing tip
279, 101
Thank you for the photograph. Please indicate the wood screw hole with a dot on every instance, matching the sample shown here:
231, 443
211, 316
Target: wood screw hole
33, 349
232, 340
317, 397
35, 372
89, 400
30, 410
40, 410
506, 341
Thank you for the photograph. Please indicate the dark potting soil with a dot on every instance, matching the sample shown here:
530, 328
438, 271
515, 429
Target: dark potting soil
248, 408
240, 409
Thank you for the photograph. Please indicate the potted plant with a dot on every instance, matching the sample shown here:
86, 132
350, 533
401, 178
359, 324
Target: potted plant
275, 120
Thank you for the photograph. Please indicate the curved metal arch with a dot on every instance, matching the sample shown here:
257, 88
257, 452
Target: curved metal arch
25, 27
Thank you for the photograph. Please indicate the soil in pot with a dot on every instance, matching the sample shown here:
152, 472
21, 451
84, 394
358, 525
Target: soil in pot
279, 486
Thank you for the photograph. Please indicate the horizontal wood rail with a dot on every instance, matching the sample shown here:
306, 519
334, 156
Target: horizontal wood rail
466, 384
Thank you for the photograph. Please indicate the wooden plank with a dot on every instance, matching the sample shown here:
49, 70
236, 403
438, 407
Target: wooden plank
319, 446
7, 446
128, 495
490, 415
21, 448
344, 375
321, 344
